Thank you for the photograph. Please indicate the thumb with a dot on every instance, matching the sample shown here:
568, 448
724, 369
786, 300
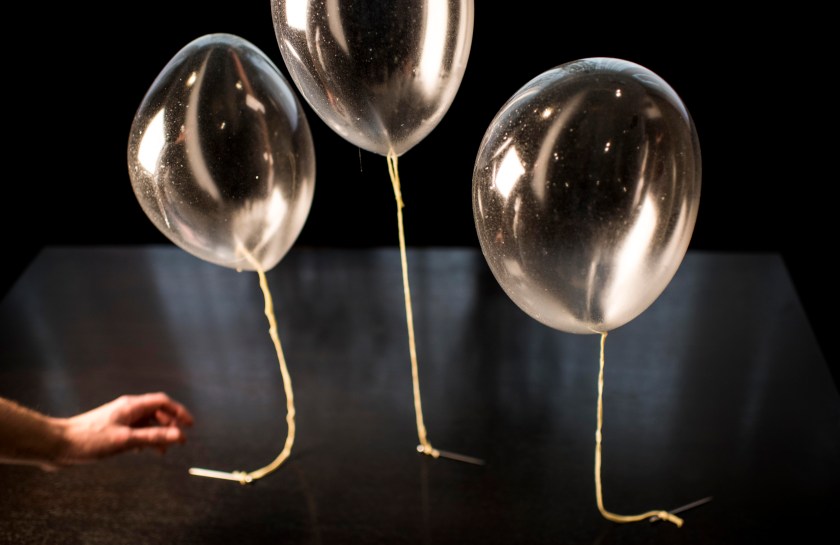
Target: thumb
155, 436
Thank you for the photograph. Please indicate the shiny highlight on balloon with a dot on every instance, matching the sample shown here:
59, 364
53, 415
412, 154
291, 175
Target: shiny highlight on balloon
586, 189
220, 154
380, 73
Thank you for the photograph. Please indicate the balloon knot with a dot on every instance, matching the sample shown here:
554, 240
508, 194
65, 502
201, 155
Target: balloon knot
665, 515
428, 450
244, 477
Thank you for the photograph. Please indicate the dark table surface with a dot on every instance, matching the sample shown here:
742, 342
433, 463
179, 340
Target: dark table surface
718, 389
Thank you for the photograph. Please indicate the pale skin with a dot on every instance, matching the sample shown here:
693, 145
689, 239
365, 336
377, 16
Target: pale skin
128, 423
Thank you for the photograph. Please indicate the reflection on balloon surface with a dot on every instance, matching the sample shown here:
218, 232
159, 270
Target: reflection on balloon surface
585, 193
381, 74
220, 154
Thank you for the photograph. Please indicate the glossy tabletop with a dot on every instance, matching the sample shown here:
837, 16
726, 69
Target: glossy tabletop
718, 389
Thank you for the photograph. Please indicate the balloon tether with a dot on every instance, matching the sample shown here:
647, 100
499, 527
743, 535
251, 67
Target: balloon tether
655, 515
425, 447
245, 477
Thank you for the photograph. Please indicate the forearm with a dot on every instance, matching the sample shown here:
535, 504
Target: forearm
27, 436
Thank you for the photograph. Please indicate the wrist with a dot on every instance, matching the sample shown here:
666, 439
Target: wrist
29, 437
56, 441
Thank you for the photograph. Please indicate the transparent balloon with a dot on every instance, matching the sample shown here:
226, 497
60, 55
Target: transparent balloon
380, 73
220, 154
585, 193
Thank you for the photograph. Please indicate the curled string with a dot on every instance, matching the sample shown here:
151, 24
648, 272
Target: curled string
245, 477
425, 447
658, 514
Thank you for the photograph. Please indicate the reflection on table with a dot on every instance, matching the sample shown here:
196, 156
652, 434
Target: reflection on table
718, 390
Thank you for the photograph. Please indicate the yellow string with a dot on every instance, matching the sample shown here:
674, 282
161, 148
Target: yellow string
248, 477
664, 515
425, 446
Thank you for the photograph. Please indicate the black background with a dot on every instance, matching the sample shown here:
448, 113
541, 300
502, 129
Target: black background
75, 78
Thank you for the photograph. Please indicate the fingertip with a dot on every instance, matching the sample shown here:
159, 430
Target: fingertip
174, 434
163, 418
186, 422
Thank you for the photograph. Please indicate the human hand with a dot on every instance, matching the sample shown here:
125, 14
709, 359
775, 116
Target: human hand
130, 422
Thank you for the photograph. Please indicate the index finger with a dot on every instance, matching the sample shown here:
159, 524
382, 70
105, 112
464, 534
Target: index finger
144, 405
